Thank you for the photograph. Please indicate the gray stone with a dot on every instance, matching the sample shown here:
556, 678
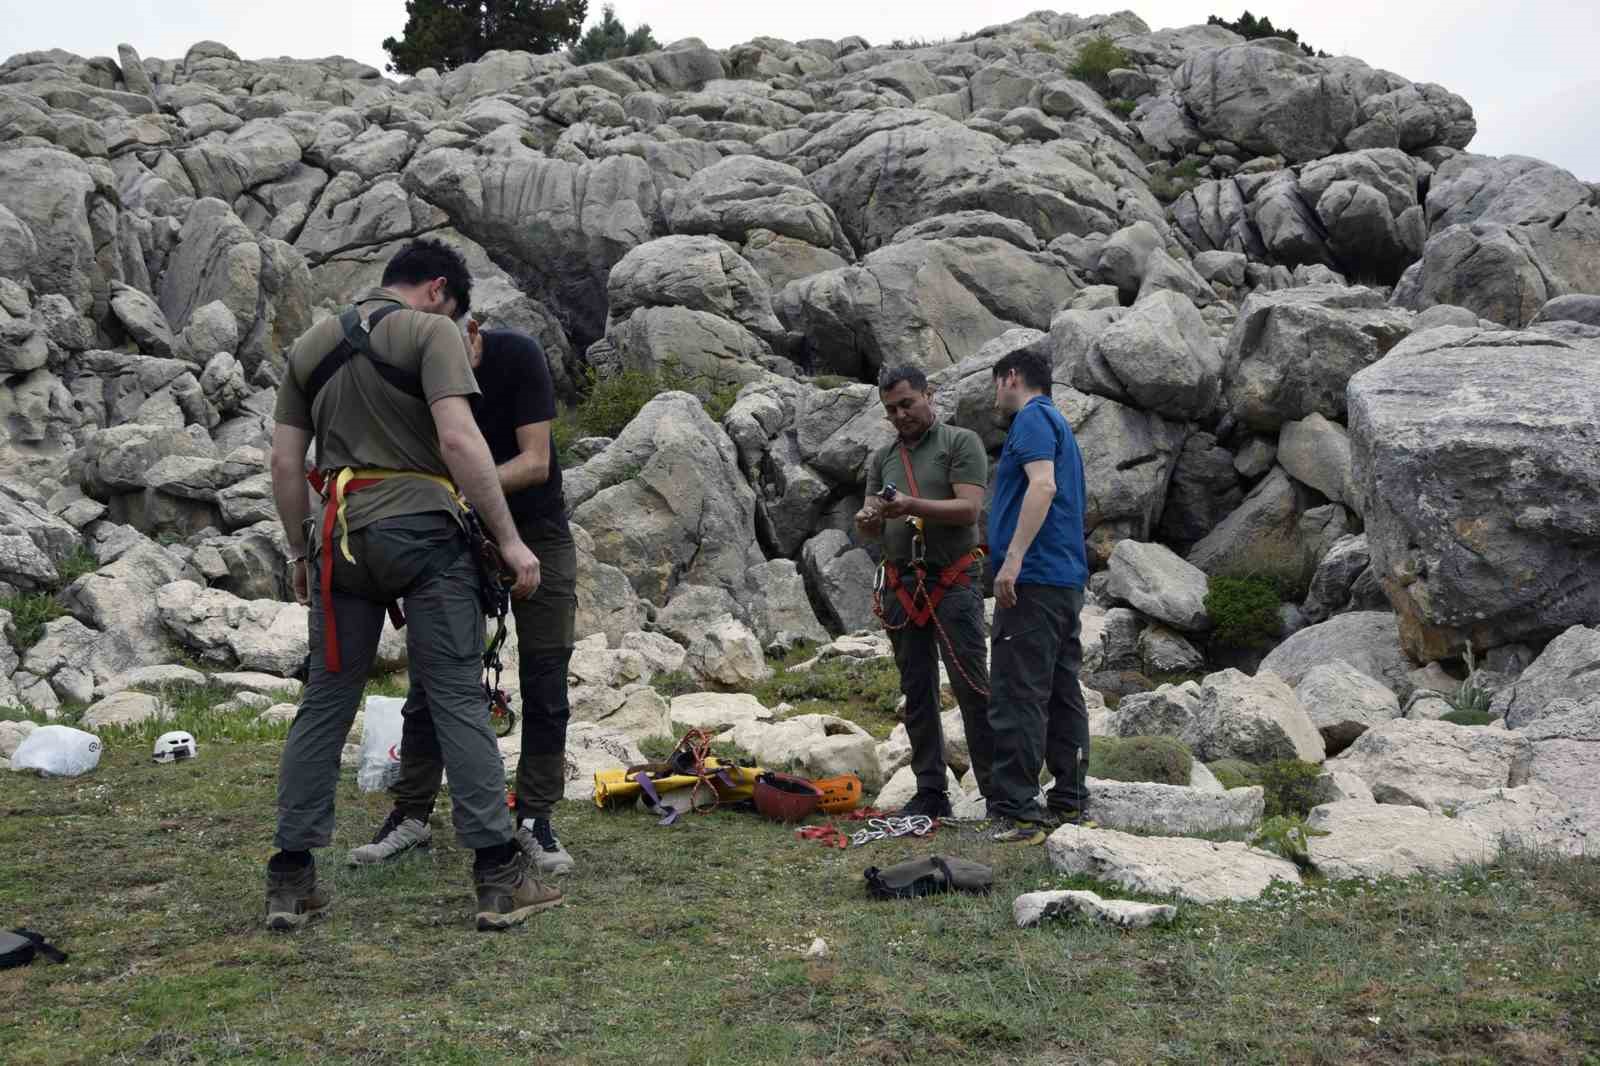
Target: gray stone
1335, 576
1196, 870
1459, 445
843, 577
1032, 908
1343, 703
1566, 743
1261, 535
1258, 719
1367, 640
727, 653
1564, 670
1173, 810
1435, 765
123, 709
1371, 840
1162, 651
1158, 357
1170, 710
1530, 819
1160, 584
1316, 452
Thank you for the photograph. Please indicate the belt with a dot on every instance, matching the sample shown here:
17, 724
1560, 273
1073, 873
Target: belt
334, 491
956, 575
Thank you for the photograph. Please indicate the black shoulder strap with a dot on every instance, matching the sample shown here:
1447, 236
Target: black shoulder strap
358, 341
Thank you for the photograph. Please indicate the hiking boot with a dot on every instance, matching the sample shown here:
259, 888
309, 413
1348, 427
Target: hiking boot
538, 842
1016, 831
1060, 816
398, 835
294, 898
507, 894
927, 802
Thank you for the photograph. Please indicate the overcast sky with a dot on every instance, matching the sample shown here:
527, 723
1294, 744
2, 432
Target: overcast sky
1528, 69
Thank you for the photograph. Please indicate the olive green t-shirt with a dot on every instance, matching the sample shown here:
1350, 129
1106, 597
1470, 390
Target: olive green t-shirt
360, 420
946, 456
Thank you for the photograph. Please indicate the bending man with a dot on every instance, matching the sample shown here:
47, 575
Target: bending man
514, 410
929, 603
385, 389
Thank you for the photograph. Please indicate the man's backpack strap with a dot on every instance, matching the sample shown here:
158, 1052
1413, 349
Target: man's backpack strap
358, 341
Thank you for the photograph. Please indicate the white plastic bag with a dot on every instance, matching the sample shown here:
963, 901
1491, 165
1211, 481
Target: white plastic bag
380, 744
57, 751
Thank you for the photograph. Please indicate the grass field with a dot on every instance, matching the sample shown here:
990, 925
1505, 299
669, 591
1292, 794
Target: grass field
686, 945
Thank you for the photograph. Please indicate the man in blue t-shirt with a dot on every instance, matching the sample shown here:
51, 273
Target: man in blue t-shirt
1036, 709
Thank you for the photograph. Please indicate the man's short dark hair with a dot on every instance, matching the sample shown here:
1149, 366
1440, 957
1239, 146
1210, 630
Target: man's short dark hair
891, 376
426, 258
1034, 363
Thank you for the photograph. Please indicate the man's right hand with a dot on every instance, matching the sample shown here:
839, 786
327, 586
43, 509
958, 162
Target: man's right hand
524, 567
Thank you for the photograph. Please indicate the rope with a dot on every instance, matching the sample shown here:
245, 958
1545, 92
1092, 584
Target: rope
697, 743
919, 598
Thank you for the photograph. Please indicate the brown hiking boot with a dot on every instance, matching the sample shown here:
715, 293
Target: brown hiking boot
508, 894
294, 898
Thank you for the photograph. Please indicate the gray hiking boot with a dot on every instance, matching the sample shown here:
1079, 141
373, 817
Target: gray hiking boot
508, 894
537, 839
294, 898
397, 836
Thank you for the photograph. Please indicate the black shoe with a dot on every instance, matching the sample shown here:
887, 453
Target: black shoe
1016, 831
1057, 817
925, 802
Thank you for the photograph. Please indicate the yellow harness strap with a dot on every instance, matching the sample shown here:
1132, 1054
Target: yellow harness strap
342, 481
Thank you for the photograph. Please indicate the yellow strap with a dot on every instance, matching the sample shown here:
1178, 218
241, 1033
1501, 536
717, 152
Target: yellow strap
349, 474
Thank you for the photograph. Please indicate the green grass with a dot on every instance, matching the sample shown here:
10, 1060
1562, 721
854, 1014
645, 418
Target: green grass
1243, 611
30, 612
685, 945
1097, 59
1164, 760
865, 691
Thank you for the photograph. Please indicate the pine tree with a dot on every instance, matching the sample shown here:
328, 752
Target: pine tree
610, 39
444, 34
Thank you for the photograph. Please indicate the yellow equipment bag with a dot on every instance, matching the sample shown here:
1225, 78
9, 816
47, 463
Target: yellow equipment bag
617, 788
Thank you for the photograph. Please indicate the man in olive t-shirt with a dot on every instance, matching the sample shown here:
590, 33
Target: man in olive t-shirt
395, 406
944, 489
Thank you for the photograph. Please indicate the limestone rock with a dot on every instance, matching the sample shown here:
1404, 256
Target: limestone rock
1032, 908
1377, 840
814, 745
1435, 765
1460, 519
727, 653
1566, 743
592, 747
1195, 870
718, 711
1157, 582
1173, 810
1343, 703
843, 577
1254, 718
1367, 640
123, 709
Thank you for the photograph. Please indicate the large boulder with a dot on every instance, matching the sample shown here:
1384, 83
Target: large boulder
1481, 485
843, 576
1566, 744
1436, 765
1155, 581
1369, 840
665, 502
744, 193
592, 747
1253, 718
1344, 703
1316, 452
814, 745
51, 193
1128, 460
1367, 640
931, 303
1260, 536
1292, 352
1564, 670
693, 273
1158, 357
1196, 870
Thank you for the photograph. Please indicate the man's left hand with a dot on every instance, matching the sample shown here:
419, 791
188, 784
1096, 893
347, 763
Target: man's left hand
1005, 584
902, 506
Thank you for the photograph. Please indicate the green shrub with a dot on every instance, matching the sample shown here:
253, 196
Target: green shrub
1235, 773
677, 683
74, 566
1470, 699
1167, 183
1243, 610
1123, 107
30, 611
1467, 716
1288, 837
1289, 785
612, 401
1164, 760
1097, 59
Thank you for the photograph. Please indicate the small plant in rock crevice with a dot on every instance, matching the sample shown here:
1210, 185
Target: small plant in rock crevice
1288, 837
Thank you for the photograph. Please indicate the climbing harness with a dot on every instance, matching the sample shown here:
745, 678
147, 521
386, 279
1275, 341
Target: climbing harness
921, 603
690, 766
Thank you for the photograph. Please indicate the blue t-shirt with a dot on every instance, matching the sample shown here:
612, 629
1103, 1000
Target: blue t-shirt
1057, 555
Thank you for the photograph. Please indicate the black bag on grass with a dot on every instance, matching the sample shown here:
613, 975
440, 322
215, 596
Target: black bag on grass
928, 877
18, 948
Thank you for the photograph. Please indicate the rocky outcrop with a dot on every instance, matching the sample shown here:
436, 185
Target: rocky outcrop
1195, 870
1435, 765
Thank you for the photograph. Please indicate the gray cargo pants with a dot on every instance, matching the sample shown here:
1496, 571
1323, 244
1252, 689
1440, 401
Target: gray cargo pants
405, 558
1036, 708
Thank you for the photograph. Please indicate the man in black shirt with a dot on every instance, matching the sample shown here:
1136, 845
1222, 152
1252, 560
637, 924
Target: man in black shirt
514, 408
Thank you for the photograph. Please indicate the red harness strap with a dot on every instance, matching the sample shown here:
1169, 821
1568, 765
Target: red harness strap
956, 575
330, 514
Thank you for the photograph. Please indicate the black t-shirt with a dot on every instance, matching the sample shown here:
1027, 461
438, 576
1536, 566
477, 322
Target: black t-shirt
516, 390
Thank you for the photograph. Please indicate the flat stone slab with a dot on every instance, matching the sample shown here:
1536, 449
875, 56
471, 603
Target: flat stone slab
1199, 871
1032, 908
1179, 810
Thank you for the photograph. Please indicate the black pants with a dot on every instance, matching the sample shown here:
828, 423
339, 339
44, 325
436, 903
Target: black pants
1036, 709
917, 652
545, 629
